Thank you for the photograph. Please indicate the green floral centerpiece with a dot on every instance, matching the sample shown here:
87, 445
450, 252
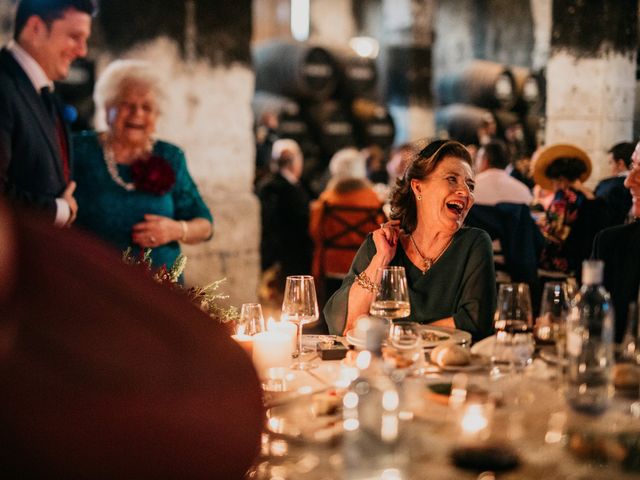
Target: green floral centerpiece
208, 298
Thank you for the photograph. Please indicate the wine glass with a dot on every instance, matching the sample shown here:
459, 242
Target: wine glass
551, 325
391, 299
251, 319
404, 349
300, 306
514, 343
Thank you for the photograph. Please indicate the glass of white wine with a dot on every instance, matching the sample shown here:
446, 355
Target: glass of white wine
300, 306
391, 300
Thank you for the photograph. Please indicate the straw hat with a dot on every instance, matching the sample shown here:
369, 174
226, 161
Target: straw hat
548, 154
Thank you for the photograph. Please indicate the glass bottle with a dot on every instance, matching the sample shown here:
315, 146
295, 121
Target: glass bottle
590, 331
373, 432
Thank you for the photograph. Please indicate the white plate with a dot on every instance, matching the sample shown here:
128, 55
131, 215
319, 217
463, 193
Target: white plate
443, 334
484, 347
477, 363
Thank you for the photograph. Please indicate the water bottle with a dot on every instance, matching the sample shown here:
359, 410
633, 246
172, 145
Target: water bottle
590, 331
373, 433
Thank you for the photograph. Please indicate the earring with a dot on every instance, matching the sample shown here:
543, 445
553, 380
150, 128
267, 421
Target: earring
419, 197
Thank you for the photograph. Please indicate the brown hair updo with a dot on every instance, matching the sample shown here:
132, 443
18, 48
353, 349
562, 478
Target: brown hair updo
403, 201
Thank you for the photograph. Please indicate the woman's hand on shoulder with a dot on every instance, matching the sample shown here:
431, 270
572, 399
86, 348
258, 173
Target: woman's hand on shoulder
156, 230
386, 240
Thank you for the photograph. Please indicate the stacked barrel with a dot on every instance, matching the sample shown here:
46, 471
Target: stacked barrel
324, 97
482, 92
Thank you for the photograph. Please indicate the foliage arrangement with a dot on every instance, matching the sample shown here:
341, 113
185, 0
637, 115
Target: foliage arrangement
208, 298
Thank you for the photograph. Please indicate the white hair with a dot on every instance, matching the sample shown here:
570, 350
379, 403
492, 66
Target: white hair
348, 163
115, 77
282, 146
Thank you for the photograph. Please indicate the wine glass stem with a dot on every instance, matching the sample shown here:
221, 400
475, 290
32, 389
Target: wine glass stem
299, 341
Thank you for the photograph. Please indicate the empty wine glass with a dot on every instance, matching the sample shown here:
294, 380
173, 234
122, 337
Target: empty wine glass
251, 320
404, 348
300, 306
391, 299
551, 324
514, 344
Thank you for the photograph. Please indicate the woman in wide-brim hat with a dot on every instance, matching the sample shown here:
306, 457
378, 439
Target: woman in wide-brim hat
570, 221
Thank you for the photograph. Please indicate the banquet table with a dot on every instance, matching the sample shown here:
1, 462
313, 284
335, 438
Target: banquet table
532, 417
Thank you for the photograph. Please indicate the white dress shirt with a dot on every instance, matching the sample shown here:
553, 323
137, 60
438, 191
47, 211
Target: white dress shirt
495, 186
39, 80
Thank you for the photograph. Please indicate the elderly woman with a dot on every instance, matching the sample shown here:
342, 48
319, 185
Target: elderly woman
134, 190
344, 213
449, 267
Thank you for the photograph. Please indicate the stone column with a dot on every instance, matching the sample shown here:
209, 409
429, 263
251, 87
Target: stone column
406, 59
201, 49
591, 76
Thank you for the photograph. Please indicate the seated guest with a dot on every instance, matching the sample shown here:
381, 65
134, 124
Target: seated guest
337, 234
133, 190
449, 267
521, 169
493, 183
574, 216
619, 247
612, 189
285, 213
106, 373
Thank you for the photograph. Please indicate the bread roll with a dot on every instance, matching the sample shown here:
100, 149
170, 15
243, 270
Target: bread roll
450, 355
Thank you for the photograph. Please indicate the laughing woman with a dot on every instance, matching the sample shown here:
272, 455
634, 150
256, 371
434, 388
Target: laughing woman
449, 267
134, 190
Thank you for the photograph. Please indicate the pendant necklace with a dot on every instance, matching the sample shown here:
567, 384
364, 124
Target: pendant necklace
427, 262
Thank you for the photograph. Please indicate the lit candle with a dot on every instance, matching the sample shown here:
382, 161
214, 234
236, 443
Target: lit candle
271, 349
287, 328
245, 341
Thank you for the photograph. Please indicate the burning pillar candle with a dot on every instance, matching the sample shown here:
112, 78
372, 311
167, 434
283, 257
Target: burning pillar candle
271, 349
287, 328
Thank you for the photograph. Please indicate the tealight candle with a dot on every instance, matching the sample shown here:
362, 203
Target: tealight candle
271, 349
245, 341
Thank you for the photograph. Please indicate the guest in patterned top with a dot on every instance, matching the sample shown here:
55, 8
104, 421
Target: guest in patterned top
135, 191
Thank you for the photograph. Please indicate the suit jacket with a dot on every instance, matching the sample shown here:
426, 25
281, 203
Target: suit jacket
285, 226
31, 170
619, 248
617, 198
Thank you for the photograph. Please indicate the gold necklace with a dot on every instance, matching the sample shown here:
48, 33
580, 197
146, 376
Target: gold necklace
427, 262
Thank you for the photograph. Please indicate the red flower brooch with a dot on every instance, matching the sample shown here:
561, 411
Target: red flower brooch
153, 175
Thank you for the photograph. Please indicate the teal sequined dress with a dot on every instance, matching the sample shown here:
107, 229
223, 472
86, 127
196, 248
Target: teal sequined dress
110, 211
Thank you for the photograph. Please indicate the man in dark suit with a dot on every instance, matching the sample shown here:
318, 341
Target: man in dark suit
616, 197
619, 247
285, 213
35, 163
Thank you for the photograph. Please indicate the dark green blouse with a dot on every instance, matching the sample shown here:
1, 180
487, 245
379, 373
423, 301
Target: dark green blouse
461, 284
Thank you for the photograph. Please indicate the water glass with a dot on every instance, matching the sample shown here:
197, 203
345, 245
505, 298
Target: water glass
251, 320
300, 306
391, 300
551, 325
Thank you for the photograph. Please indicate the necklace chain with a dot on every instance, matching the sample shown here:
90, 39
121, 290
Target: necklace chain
427, 262
112, 168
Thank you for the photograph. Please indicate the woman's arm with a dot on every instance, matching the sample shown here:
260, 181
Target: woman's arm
157, 230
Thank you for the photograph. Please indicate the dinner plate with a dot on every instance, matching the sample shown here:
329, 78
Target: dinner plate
431, 336
298, 421
476, 363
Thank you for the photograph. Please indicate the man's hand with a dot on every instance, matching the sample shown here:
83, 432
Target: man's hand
67, 196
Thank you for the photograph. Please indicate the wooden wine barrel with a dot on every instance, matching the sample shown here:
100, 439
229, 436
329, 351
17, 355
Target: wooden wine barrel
373, 123
357, 76
331, 125
462, 122
529, 88
294, 69
481, 83
291, 123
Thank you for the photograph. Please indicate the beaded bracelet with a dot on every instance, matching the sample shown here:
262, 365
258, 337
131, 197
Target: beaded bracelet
365, 282
185, 229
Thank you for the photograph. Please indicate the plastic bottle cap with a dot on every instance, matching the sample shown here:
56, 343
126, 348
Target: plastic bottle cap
592, 271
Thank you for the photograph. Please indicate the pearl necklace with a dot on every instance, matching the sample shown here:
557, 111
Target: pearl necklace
112, 168
427, 262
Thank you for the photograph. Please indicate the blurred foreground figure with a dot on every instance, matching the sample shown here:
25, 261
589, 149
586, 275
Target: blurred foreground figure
104, 373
